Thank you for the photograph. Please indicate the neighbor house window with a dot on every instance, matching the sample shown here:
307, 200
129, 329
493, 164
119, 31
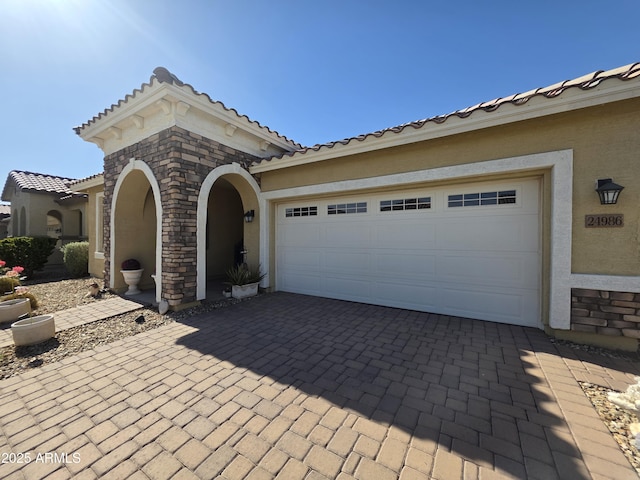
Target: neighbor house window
344, 208
405, 204
502, 197
301, 212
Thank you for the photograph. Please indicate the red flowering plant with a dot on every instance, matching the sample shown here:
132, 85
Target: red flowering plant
10, 285
10, 278
10, 272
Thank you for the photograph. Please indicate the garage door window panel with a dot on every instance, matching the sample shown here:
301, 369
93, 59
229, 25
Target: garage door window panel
301, 212
347, 208
421, 203
503, 197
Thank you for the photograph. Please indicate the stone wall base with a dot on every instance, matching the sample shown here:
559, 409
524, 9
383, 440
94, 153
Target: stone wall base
602, 313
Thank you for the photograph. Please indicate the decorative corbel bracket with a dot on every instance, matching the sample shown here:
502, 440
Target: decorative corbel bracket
230, 129
138, 121
115, 132
182, 108
98, 141
165, 105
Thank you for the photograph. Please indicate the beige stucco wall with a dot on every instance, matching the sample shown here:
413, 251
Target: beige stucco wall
604, 141
96, 255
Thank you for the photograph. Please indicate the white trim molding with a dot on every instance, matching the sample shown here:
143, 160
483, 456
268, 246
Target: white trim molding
99, 213
610, 90
144, 168
613, 283
560, 163
203, 201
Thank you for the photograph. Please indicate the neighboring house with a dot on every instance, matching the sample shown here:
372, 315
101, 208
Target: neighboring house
5, 218
489, 212
45, 205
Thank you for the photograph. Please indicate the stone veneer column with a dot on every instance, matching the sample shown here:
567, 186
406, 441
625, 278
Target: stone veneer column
180, 161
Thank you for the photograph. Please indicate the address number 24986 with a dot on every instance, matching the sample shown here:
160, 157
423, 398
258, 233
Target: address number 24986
595, 221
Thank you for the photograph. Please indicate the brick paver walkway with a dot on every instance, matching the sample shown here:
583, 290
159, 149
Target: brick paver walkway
294, 387
80, 315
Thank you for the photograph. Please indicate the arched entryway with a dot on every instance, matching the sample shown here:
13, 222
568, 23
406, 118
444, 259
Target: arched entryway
135, 229
55, 230
23, 222
226, 195
54, 224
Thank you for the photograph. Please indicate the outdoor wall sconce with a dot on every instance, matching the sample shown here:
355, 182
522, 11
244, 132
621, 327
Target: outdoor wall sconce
608, 191
248, 217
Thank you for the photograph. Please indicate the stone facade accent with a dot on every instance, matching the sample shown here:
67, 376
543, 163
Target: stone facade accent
605, 313
180, 161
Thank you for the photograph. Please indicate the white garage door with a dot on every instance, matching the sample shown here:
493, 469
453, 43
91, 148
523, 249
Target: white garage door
469, 250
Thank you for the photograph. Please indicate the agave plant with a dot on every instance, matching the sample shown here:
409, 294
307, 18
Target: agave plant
243, 275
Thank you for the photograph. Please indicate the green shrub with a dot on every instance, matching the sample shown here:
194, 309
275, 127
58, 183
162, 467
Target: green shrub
8, 284
31, 253
76, 258
32, 298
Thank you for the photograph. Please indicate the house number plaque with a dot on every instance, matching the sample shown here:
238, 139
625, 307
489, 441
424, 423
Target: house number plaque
604, 221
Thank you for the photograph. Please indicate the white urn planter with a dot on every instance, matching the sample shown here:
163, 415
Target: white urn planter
11, 310
244, 291
30, 331
132, 279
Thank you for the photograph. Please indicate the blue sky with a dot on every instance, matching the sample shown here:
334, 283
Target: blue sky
314, 71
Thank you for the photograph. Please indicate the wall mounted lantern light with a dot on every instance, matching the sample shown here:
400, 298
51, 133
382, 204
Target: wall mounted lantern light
608, 191
248, 216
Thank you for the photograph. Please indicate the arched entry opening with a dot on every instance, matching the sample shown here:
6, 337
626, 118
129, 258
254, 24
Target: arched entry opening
54, 224
54, 230
225, 230
15, 223
134, 226
226, 194
23, 222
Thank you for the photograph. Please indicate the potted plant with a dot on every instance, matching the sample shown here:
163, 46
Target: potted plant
132, 273
26, 330
244, 280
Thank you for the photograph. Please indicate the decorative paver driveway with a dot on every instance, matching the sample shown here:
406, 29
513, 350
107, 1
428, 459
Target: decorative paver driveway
295, 387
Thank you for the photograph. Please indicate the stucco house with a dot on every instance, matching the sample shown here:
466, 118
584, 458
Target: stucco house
490, 212
5, 218
45, 205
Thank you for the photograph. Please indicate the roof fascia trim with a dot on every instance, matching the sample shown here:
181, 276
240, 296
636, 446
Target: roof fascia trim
158, 91
508, 113
96, 181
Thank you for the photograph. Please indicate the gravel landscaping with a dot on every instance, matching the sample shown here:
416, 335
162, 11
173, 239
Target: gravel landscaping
55, 295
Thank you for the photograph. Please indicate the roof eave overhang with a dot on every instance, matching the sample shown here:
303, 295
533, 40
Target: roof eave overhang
71, 200
81, 185
609, 91
160, 105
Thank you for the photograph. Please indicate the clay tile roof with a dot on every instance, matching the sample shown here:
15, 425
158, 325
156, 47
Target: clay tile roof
39, 182
585, 82
5, 210
162, 75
